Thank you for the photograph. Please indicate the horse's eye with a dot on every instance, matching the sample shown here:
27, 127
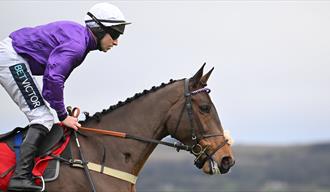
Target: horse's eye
205, 108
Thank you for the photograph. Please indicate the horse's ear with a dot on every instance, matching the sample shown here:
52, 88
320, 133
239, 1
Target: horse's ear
204, 79
197, 77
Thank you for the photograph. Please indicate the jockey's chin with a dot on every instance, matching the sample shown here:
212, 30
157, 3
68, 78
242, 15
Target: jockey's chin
106, 49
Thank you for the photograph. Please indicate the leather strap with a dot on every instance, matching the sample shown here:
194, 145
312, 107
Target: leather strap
109, 171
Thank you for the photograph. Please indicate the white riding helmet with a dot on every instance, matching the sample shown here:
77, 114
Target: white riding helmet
107, 15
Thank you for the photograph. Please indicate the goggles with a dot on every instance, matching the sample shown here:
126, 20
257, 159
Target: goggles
113, 33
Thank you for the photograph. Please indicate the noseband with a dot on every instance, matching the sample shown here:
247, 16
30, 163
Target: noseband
197, 149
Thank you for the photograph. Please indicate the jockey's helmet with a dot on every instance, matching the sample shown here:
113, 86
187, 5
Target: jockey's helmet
105, 18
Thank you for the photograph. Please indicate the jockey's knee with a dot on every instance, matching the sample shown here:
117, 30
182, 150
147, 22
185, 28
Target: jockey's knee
47, 120
49, 124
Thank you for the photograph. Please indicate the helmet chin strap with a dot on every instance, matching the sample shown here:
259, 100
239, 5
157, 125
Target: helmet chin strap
99, 33
99, 47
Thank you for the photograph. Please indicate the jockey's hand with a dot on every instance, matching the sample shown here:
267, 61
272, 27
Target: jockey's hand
71, 122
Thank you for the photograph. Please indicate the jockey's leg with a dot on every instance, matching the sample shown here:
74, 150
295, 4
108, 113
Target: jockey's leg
22, 87
22, 178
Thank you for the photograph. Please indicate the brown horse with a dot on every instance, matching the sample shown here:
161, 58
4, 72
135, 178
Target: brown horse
181, 108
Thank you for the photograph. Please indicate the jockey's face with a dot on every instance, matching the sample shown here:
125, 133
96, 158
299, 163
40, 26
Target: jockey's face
107, 43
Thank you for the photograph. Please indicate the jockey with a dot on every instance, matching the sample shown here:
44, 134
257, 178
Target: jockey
53, 51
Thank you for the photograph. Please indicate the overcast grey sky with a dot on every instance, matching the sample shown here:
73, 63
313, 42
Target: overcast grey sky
271, 58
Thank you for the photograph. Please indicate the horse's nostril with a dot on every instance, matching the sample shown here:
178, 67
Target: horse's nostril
227, 162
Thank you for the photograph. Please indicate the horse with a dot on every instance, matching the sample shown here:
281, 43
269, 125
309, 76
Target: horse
180, 108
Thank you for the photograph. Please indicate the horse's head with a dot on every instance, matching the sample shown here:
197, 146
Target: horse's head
194, 121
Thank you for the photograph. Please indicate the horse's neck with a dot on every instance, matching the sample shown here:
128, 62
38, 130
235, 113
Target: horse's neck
144, 117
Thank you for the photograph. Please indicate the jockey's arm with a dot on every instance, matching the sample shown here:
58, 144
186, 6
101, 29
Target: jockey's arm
61, 62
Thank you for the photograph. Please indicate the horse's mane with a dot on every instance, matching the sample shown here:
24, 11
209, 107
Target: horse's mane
98, 115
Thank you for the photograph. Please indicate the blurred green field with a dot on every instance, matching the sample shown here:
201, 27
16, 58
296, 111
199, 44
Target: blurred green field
300, 168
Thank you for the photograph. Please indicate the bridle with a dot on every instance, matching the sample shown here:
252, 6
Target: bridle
197, 149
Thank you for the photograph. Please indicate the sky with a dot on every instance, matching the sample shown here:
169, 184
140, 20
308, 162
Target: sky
272, 61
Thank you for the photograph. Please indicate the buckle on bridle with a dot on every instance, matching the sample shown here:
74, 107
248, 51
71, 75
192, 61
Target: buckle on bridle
197, 150
198, 162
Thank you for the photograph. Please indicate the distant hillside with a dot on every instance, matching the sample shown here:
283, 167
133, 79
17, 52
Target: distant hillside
258, 168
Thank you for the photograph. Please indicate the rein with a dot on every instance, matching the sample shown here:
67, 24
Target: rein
177, 145
195, 149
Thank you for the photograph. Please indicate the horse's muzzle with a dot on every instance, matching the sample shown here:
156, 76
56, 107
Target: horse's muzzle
226, 163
